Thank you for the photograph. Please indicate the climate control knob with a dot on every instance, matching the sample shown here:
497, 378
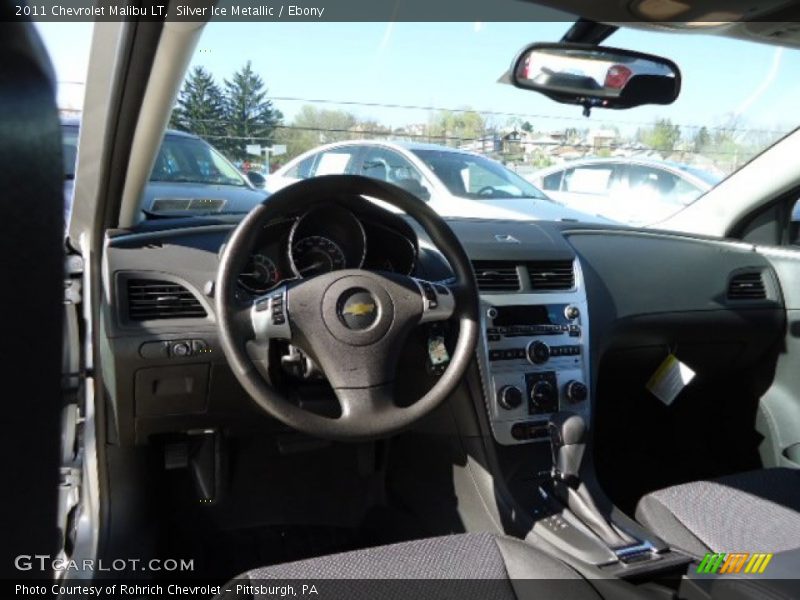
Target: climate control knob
509, 397
575, 391
538, 352
544, 397
572, 312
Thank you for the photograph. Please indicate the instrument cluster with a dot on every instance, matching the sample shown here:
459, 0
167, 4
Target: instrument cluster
327, 238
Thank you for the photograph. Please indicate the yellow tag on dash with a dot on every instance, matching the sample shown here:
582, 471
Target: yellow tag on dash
669, 379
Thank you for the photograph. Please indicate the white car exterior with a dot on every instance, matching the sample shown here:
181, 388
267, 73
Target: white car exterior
636, 192
447, 178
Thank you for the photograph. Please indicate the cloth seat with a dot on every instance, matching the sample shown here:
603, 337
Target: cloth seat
755, 511
487, 566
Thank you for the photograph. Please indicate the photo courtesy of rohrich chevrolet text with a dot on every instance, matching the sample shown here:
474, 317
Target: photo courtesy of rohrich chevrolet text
400, 299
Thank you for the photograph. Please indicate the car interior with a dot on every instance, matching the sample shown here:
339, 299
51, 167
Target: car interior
326, 389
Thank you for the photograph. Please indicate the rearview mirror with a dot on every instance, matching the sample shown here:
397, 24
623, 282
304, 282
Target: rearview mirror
595, 76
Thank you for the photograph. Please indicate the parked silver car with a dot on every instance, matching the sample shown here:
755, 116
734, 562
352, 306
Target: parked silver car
454, 182
633, 191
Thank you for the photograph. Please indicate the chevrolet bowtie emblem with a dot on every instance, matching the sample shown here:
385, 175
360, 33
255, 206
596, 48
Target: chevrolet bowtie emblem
359, 309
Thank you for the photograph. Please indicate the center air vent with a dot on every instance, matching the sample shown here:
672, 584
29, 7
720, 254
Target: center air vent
150, 299
550, 275
496, 276
747, 286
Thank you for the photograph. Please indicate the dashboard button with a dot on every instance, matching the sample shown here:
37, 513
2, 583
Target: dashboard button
154, 350
181, 349
575, 391
509, 397
538, 352
199, 347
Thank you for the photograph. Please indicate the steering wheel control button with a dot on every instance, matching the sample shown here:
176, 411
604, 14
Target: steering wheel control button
509, 397
430, 295
358, 309
576, 391
436, 307
538, 352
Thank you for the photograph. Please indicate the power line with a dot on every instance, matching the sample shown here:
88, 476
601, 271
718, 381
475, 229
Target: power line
495, 113
433, 137
510, 114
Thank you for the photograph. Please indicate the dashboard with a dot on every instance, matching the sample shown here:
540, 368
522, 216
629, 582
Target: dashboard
328, 238
543, 287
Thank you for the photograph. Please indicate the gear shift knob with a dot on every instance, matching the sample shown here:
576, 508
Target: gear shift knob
567, 438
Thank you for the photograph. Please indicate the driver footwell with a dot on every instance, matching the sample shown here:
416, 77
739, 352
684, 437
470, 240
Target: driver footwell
275, 507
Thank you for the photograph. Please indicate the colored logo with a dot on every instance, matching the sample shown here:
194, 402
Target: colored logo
722, 563
359, 309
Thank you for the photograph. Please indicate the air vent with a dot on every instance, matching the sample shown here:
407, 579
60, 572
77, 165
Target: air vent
551, 275
747, 286
150, 299
496, 276
203, 205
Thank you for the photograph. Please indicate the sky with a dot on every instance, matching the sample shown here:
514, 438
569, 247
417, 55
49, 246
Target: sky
456, 65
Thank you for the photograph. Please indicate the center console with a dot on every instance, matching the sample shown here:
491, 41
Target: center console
535, 360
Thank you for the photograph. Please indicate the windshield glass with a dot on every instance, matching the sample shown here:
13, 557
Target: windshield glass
471, 176
265, 93
190, 160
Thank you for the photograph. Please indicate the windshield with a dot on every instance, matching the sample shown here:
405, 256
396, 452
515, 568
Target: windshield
191, 160
471, 176
265, 93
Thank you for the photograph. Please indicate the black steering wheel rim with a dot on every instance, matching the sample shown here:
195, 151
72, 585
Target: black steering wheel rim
366, 413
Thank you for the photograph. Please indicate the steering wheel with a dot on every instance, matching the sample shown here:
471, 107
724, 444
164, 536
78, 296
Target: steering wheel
487, 190
352, 322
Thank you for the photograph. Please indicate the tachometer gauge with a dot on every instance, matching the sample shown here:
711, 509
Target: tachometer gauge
316, 254
260, 274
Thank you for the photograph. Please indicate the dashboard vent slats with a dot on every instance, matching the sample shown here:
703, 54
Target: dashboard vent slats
496, 276
747, 286
549, 275
150, 299
187, 204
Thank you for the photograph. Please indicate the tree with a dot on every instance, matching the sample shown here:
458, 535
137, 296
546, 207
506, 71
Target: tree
527, 127
250, 116
454, 127
701, 139
201, 107
312, 127
662, 136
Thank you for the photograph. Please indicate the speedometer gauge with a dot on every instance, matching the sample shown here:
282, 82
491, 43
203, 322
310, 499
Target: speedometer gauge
260, 274
317, 254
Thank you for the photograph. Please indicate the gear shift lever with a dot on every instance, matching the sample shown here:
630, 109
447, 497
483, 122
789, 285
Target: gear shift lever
567, 439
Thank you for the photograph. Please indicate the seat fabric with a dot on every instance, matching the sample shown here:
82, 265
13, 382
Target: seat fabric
486, 565
756, 511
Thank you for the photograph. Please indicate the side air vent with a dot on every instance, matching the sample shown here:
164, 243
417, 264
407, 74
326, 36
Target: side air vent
551, 275
747, 286
150, 299
496, 276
